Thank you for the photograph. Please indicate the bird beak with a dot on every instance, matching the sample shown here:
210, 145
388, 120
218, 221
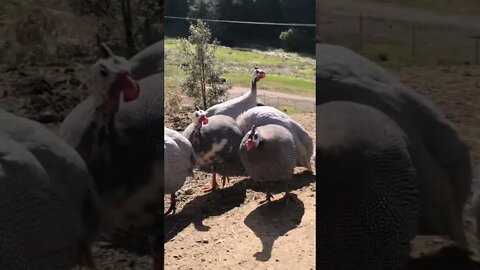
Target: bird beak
249, 144
261, 74
203, 120
128, 86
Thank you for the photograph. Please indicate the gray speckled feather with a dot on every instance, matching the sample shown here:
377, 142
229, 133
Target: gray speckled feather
368, 189
275, 157
49, 208
264, 115
234, 107
147, 62
216, 144
440, 156
179, 160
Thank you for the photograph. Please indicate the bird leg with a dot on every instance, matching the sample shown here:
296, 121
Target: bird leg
225, 177
172, 208
288, 196
268, 198
214, 185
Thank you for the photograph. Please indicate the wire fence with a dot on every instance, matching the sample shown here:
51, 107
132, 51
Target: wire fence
286, 104
242, 22
401, 40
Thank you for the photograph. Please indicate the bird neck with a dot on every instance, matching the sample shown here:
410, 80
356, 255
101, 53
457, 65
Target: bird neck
254, 87
97, 141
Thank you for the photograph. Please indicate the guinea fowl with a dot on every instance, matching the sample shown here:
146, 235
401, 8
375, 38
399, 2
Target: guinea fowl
234, 107
368, 189
264, 115
268, 154
49, 207
179, 163
215, 141
146, 62
418, 167
121, 144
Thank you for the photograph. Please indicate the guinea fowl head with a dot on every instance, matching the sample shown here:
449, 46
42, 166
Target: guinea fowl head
253, 138
110, 78
258, 74
200, 117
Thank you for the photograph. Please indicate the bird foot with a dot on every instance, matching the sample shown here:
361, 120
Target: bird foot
268, 198
170, 210
223, 180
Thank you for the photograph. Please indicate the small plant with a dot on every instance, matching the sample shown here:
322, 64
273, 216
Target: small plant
31, 35
173, 105
203, 80
295, 39
124, 24
383, 57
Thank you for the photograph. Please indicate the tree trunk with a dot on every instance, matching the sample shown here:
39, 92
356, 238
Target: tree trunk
127, 23
203, 80
147, 32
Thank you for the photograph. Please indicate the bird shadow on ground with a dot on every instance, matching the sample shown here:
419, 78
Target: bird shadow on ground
214, 203
298, 181
272, 220
220, 201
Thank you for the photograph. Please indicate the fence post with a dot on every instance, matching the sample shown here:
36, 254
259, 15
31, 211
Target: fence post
476, 49
414, 34
477, 61
360, 32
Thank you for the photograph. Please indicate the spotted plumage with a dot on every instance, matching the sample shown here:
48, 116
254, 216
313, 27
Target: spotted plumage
179, 163
368, 192
268, 154
49, 207
215, 141
438, 156
264, 115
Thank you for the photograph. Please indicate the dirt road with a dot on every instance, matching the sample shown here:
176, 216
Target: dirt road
278, 99
378, 9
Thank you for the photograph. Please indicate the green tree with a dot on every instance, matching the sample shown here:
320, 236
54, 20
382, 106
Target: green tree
29, 32
203, 80
131, 24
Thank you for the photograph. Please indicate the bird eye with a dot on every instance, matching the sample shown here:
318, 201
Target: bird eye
104, 73
196, 114
255, 136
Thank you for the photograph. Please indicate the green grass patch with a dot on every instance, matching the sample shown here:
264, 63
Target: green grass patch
172, 75
288, 109
307, 71
276, 82
390, 57
286, 72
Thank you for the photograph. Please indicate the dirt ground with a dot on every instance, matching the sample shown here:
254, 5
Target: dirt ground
227, 229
